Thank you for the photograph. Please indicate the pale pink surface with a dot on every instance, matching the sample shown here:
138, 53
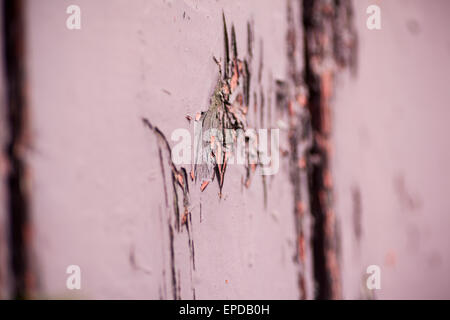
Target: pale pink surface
391, 141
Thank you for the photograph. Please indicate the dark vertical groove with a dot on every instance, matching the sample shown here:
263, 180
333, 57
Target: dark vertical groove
14, 51
329, 35
315, 171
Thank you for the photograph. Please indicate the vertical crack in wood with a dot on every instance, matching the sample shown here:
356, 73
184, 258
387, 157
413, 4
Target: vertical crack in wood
179, 180
329, 45
16, 107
